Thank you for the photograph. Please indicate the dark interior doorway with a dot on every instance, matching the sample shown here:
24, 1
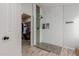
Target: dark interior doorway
26, 29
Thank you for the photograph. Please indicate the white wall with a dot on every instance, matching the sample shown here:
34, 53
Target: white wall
61, 34
52, 14
34, 22
71, 31
28, 8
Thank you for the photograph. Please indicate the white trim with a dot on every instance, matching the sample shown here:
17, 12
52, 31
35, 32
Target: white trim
31, 33
33, 25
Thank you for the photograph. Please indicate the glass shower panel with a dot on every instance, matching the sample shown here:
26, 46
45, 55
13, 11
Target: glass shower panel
71, 28
51, 36
37, 24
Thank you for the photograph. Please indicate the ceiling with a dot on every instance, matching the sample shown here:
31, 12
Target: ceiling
52, 4
48, 4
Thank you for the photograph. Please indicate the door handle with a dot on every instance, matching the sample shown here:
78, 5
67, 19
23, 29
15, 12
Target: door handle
5, 38
37, 28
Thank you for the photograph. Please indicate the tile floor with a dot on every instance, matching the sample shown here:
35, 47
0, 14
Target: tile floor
28, 50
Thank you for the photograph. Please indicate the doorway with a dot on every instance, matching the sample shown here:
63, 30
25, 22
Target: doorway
26, 30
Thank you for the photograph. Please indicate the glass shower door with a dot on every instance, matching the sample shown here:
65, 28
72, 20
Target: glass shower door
37, 24
71, 28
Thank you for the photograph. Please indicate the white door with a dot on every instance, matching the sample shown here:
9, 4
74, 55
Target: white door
10, 26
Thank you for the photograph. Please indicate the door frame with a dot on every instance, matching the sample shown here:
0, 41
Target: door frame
33, 25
